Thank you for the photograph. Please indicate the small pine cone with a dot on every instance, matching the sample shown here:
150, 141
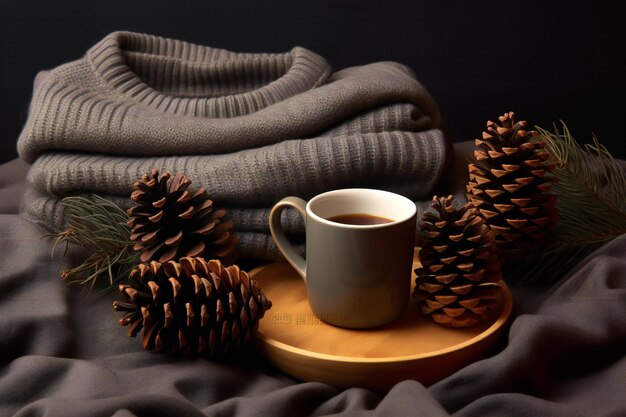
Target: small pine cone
191, 307
457, 282
169, 222
509, 183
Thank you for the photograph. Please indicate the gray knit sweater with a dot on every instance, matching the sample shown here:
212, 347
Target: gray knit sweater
251, 128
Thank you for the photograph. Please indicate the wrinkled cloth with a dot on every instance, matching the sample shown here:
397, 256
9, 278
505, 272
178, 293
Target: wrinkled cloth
62, 352
250, 128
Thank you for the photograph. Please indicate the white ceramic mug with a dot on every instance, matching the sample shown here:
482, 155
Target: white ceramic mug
357, 276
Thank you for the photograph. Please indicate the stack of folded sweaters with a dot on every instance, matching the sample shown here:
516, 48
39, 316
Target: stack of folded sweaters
251, 128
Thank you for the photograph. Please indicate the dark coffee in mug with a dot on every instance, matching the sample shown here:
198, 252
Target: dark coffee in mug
359, 219
358, 272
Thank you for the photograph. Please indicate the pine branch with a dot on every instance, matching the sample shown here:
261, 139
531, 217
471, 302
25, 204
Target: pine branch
99, 226
591, 191
591, 188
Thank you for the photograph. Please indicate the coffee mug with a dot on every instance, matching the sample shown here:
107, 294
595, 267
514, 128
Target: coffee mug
359, 254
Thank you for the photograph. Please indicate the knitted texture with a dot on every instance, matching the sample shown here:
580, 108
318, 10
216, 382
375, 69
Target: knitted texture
250, 128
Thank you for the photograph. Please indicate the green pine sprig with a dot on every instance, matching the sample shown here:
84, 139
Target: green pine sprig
591, 190
99, 226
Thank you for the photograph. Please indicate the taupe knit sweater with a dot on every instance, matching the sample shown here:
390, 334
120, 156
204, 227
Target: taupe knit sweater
251, 128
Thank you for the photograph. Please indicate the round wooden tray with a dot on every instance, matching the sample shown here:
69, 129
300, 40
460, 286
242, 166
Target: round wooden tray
413, 347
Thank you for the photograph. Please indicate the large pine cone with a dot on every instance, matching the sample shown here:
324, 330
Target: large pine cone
191, 307
509, 183
169, 222
457, 282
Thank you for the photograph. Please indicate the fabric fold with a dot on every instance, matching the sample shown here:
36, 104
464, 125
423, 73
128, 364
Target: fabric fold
261, 176
102, 103
251, 128
251, 223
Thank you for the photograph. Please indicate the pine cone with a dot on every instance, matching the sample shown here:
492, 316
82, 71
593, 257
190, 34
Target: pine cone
169, 222
191, 307
457, 283
509, 183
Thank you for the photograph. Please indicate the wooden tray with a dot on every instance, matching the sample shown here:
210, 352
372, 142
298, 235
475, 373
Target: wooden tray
292, 338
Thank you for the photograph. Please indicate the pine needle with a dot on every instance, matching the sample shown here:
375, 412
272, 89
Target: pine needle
99, 226
591, 191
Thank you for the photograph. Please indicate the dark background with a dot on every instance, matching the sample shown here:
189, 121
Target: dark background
545, 60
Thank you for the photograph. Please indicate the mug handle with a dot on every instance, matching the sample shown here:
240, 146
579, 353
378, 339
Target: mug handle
278, 234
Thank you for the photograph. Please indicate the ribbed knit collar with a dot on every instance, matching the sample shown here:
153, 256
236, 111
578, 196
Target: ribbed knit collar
207, 81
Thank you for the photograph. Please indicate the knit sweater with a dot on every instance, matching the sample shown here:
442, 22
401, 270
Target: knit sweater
251, 128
